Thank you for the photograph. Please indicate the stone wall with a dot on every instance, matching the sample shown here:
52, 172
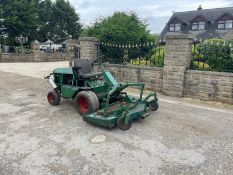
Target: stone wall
85, 47
18, 57
53, 57
152, 76
0, 52
206, 85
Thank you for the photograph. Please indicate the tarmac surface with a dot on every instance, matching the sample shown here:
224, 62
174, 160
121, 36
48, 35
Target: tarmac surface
184, 136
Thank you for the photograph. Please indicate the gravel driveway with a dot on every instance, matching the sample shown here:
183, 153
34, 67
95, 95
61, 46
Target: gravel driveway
182, 137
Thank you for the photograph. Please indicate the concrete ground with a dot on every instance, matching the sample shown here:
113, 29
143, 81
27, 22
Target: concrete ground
183, 137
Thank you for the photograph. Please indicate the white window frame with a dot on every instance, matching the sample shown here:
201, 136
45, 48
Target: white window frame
175, 27
221, 25
172, 27
227, 24
195, 26
198, 25
201, 25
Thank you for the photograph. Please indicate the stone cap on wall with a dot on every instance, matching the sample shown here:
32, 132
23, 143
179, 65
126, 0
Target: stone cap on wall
72, 41
223, 74
178, 36
88, 39
36, 42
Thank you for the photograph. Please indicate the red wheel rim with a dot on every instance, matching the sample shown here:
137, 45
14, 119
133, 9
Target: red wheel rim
50, 99
83, 104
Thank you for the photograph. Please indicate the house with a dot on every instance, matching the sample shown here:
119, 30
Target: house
202, 23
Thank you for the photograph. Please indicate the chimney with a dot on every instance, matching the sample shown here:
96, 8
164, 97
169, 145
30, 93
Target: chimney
199, 8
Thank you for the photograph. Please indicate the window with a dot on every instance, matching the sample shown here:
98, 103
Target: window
195, 26
198, 26
201, 25
228, 24
175, 27
172, 27
221, 25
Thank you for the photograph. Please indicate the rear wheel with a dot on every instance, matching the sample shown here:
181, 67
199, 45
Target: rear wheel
86, 102
53, 98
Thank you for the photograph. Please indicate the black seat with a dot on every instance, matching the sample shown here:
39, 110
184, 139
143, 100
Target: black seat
84, 69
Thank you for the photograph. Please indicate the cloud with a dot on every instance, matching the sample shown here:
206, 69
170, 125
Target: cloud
84, 4
156, 12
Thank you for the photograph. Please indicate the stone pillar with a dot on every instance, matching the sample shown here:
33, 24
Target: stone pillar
36, 51
71, 46
178, 53
89, 48
0, 53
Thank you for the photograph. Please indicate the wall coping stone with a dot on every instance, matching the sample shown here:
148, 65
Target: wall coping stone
16, 54
133, 66
178, 36
88, 39
72, 41
225, 74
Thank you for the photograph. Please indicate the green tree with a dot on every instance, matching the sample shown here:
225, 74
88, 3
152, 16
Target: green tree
1, 23
44, 17
18, 17
57, 20
38, 19
123, 29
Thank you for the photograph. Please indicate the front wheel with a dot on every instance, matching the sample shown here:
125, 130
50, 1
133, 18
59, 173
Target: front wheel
122, 125
153, 105
53, 98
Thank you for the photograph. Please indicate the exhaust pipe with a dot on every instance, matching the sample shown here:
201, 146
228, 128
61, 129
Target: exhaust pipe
51, 82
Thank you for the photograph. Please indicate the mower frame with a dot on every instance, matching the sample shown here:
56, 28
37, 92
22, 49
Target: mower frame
67, 84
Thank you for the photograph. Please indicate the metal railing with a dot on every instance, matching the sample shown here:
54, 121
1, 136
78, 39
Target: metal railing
144, 54
16, 49
28, 49
212, 55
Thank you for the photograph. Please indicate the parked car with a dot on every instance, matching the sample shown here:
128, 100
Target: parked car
46, 49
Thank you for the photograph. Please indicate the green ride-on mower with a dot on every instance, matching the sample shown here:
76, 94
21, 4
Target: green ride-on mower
98, 97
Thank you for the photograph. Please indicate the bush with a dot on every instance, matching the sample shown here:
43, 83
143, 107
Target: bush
121, 28
158, 57
200, 65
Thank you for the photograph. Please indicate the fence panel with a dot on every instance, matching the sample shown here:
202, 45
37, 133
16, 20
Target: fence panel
212, 56
143, 54
16, 49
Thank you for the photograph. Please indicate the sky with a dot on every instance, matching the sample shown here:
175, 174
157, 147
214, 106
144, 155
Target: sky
156, 13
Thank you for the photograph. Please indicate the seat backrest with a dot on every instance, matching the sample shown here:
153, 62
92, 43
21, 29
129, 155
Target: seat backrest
84, 64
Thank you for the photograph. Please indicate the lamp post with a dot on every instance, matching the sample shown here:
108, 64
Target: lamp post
21, 40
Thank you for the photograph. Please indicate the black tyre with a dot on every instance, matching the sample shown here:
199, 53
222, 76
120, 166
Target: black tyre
86, 102
153, 105
53, 98
121, 123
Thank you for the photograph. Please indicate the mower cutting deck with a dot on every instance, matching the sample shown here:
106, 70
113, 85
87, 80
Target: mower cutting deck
98, 97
